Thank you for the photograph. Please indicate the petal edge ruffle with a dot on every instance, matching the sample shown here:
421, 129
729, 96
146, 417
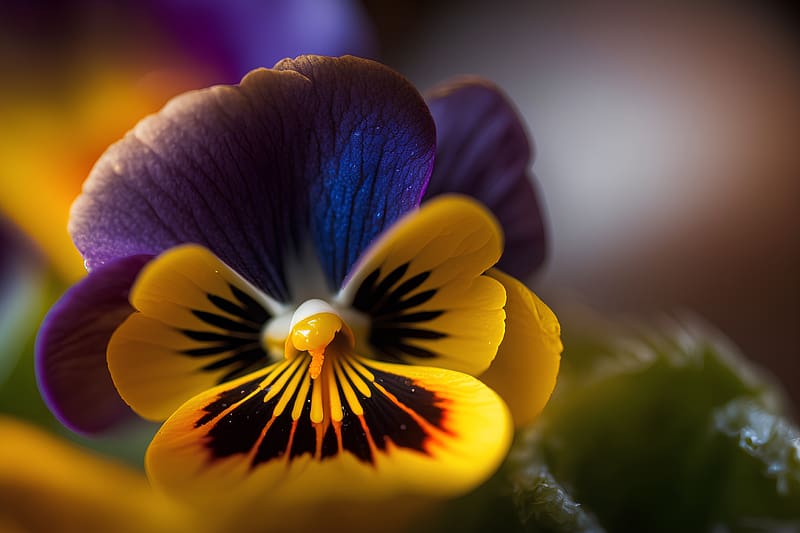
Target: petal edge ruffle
526, 367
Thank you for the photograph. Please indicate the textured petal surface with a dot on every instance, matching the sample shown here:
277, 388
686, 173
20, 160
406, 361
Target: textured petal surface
423, 289
197, 324
71, 348
48, 485
482, 151
330, 150
525, 369
388, 430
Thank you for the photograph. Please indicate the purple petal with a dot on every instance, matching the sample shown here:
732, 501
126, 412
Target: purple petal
482, 150
71, 348
322, 149
237, 36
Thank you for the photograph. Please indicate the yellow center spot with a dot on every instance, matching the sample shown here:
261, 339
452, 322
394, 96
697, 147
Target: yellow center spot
313, 335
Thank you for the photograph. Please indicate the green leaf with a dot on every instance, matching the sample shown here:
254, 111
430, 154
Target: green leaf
542, 503
762, 453
641, 434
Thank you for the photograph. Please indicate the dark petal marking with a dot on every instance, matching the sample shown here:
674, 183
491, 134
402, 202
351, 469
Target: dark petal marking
304, 439
330, 446
388, 304
418, 299
214, 350
386, 418
247, 364
421, 316
425, 403
233, 309
397, 410
222, 322
276, 439
382, 289
408, 333
354, 438
405, 288
394, 354
225, 400
239, 430
212, 336
238, 346
243, 357
415, 351
363, 298
254, 311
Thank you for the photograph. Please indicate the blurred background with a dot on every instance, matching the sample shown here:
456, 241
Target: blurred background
667, 150
665, 135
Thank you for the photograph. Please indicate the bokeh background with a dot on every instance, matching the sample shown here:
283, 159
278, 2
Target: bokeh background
666, 137
667, 150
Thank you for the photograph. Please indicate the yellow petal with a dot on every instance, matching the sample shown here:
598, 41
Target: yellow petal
48, 485
422, 285
198, 324
256, 449
525, 369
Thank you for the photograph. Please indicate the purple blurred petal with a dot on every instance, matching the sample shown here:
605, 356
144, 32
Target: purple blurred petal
239, 35
482, 150
71, 348
14, 249
326, 149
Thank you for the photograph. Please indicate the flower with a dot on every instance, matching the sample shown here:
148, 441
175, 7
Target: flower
261, 277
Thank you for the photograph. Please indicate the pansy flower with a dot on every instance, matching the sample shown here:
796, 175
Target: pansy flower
265, 277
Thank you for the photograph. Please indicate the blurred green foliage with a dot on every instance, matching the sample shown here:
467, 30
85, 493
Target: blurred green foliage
19, 393
659, 429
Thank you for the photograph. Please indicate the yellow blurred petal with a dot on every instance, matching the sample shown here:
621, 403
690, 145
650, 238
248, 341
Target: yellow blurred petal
50, 140
525, 369
48, 485
423, 288
198, 324
250, 450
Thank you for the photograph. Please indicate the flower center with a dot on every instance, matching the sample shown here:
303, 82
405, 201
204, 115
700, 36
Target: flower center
313, 335
313, 327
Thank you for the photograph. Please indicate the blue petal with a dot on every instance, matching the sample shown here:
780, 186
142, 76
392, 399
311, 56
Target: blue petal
374, 165
330, 150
